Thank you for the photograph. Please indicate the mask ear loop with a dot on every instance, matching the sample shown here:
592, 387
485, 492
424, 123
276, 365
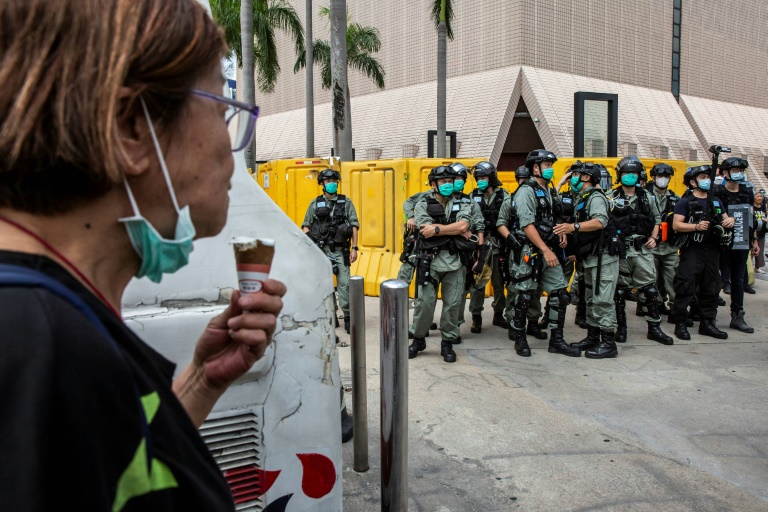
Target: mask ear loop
160, 156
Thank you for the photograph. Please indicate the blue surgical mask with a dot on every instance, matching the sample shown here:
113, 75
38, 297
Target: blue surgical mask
629, 179
547, 174
576, 183
159, 255
705, 184
458, 185
446, 189
331, 188
737, 176
483, 185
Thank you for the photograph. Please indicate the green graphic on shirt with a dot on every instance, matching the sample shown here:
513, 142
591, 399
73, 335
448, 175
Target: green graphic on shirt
135, 480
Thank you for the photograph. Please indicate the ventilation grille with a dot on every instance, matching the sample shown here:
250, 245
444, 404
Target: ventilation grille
235, 441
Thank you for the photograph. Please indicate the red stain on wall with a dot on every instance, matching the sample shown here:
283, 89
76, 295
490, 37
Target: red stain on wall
249, 482
319, 474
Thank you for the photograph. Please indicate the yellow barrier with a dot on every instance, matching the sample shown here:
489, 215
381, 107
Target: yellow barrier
378, 189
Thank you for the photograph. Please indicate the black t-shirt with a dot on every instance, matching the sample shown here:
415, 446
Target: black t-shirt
71, 428
683, 207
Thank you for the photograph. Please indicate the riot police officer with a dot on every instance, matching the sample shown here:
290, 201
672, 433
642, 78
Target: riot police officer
598, 249
734, 261
535, 262
665, 252
331, 222
476, 227
637, 219
699, 224
442, 222
488, 196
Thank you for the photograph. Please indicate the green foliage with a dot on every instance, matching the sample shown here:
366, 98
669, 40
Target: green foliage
437, 10
362, 43
269, 16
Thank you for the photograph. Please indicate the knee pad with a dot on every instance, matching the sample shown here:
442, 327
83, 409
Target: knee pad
650, 292
621, 295
562, 296
524, 298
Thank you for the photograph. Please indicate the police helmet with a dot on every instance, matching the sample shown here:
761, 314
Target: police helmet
328, 174
692, 172
441, 172
588, 169
734, 162
539, 155
630, 164
605, 177
522, 173
459, 169
482, 169
662, 170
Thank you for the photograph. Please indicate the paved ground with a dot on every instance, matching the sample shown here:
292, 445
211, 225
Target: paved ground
680, 428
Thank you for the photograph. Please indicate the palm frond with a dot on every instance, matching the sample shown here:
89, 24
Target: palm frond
363, 39
370, 67
284, 17
437, 9
226, 13
265, 53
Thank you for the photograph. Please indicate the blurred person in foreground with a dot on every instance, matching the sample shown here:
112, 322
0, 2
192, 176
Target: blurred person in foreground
114, 156
761, 218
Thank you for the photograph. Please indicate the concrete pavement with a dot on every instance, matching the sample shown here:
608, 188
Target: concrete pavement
672, 428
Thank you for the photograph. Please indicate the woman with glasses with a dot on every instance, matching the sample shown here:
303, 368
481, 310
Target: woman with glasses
115, 154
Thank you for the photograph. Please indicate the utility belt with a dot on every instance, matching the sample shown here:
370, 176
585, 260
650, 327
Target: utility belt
636, 243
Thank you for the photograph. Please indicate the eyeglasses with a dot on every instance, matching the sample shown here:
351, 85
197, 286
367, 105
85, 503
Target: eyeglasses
241, 121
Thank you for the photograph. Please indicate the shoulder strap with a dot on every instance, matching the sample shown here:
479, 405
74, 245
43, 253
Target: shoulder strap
14, 275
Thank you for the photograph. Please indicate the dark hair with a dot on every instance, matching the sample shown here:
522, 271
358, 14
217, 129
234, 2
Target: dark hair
62, 68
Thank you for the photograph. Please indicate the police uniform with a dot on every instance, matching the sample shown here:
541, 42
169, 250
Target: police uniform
325, 215
534, 206
489, 207
635, 217
476, 226
698, 273
442, 267
666, 252
572, 270
598, 253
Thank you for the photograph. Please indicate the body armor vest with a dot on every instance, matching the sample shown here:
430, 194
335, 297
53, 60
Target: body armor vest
591, 243
630, 221
490, 211
330, 228
545, 222
567, 208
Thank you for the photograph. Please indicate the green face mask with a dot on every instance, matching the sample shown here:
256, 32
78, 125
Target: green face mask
576, 183
458, 185
331, 188
629, 179
547, 174
446, 189
483, 185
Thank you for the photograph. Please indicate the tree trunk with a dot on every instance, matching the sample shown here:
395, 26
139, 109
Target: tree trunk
342, 130
310, 89
442, 40
249, 90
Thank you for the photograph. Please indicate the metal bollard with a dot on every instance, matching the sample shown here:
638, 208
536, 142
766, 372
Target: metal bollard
359, 385
393, 299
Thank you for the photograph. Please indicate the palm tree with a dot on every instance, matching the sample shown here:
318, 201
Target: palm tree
254, 23
310, 83
361, 42
442, 15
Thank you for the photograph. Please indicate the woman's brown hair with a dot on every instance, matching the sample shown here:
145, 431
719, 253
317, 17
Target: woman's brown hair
62, 65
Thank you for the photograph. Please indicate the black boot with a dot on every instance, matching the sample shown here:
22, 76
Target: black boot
720, 301
417, 345
433, 326
606, 348
498, 319
346, 324
707, 327
557, 345
639, 309
581, 314
748, 289
534, 330
521, 343
681, 331
738, 323
621, 333
688, 322
477, 323
457, 341
446, 350
656, 334
622, 294
410, 335
592, 340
